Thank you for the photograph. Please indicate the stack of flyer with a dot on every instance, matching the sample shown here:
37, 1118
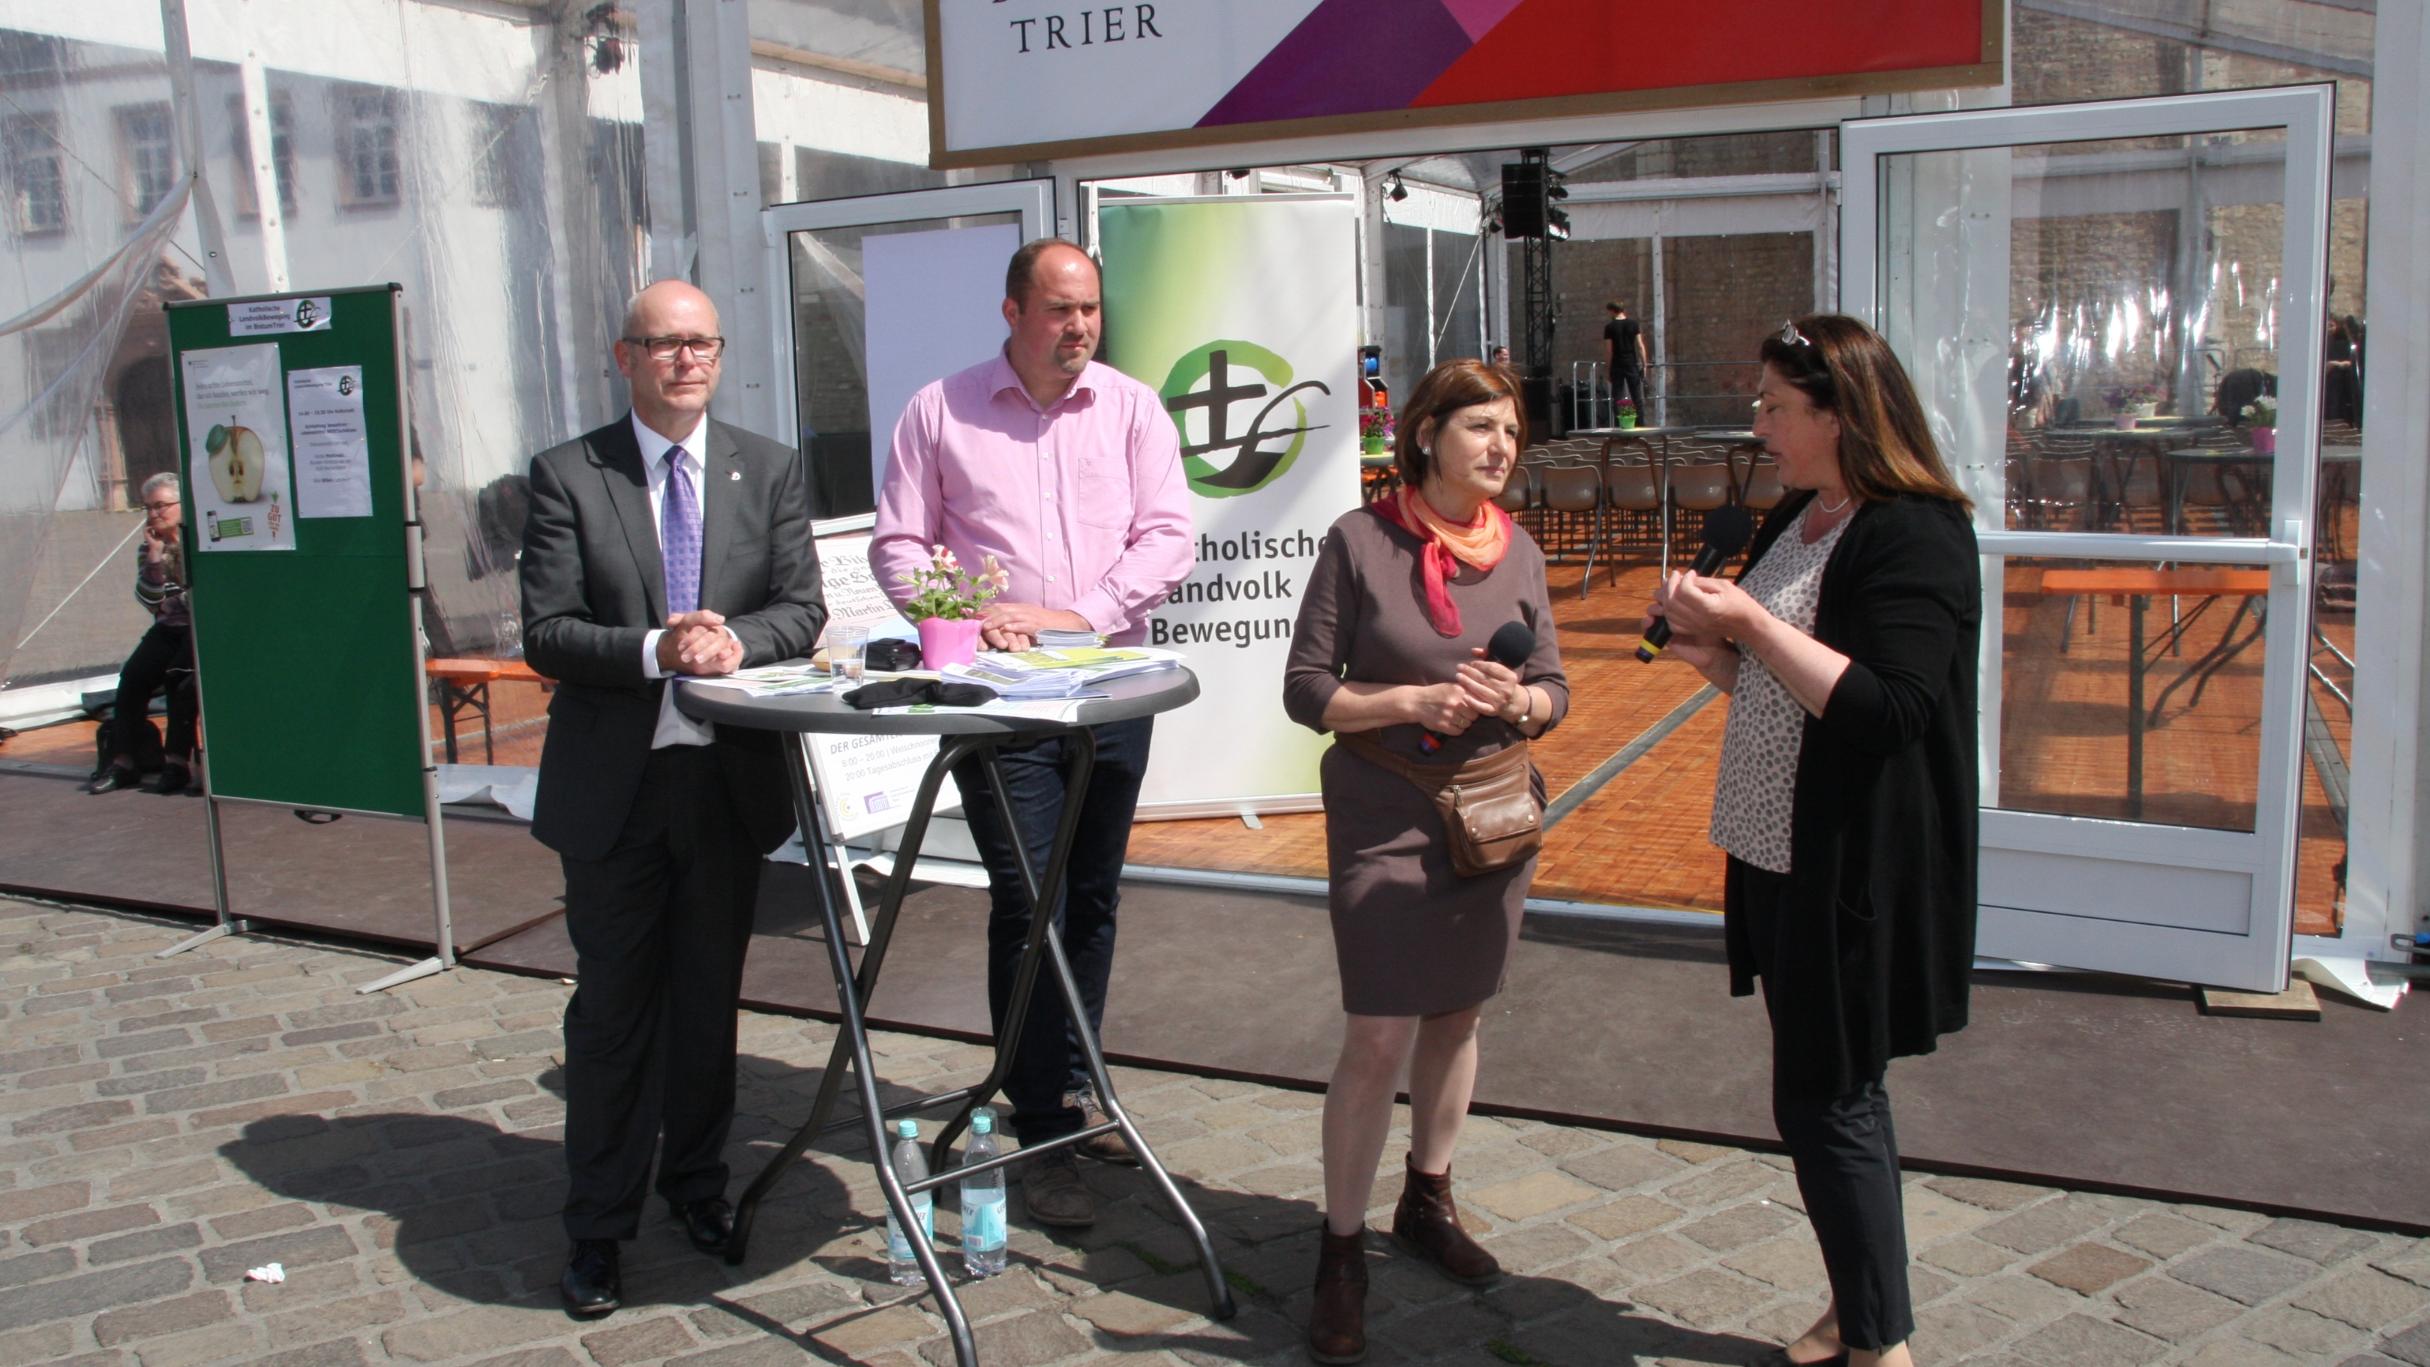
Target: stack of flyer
1060, 671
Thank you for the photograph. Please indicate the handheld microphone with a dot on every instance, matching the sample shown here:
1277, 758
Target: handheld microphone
1726, 530
1512, 643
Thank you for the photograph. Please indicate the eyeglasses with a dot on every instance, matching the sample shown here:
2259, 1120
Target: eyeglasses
706, 350
168, 507
1790, 336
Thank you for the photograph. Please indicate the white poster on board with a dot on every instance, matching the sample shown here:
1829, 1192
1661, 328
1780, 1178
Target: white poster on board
935, 305
332, 445
865, 784
1243, 313
236, 419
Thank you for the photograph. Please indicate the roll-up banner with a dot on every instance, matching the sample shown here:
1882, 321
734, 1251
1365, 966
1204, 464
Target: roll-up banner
1243, 313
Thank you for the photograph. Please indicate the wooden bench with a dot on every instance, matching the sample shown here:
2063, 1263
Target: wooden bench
463, 686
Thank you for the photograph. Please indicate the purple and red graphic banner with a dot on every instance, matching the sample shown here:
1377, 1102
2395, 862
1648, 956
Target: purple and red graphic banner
1044, 77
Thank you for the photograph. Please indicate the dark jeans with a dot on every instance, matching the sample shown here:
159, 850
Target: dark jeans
659, 926
1628, 383
1049, 1061
163, 659
1846, 1153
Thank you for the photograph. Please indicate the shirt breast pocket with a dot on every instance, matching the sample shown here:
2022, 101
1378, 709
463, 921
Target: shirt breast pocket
1104, 496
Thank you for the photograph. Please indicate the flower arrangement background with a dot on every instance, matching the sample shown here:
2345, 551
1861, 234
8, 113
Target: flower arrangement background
945, 589
1375, 429
2124, 396
2261, 412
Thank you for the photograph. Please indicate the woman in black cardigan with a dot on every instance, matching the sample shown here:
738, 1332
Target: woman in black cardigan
1847, 796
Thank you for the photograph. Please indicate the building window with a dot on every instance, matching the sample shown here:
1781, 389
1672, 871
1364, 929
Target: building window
282, 155
505, 164
37, 175
367, 146
147, 157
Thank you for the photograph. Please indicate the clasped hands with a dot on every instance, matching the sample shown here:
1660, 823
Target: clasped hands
698, 643
1017, 626
1706, 615
1479, 688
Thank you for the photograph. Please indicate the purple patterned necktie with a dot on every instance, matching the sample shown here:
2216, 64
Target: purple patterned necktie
679, 536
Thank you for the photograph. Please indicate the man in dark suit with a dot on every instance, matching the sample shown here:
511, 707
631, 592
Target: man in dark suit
662, 544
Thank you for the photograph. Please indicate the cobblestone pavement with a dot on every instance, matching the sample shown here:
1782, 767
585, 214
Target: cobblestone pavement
169, 1124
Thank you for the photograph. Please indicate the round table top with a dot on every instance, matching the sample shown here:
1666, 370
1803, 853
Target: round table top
1138, 695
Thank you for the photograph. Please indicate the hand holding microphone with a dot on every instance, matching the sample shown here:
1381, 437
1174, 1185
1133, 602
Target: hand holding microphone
1726, 530
1509, 648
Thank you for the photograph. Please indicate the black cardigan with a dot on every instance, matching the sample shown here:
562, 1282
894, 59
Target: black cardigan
1876, 941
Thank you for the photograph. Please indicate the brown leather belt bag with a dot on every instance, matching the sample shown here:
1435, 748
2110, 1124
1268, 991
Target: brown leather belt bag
1492, 818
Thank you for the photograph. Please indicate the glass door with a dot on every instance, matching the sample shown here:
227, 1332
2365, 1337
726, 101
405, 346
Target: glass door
882, 294
2114, 312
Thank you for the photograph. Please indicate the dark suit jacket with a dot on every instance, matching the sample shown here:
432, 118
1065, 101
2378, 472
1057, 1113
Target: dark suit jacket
593, 587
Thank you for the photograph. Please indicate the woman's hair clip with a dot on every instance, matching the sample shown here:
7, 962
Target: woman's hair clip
1790, 336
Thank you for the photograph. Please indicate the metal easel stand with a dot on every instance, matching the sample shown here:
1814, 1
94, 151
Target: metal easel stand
442, 913
228, 925
853, 989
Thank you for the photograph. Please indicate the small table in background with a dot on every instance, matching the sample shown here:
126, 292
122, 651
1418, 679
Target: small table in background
464, 687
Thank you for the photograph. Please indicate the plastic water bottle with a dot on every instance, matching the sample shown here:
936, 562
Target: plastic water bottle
982, 1201
910, 1165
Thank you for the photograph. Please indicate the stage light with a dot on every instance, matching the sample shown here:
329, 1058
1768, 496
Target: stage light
1398, 192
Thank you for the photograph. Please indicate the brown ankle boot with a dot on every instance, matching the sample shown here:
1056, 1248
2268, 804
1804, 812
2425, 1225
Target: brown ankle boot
1337, 1324
1428, 1225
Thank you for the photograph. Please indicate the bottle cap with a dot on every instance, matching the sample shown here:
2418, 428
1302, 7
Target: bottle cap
908, 1129
983, 1121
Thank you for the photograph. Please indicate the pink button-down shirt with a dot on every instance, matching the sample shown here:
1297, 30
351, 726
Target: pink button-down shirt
1083, 501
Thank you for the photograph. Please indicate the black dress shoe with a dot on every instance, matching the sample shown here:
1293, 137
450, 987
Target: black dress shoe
592, 1284
115, 778
172, 780
709, 1221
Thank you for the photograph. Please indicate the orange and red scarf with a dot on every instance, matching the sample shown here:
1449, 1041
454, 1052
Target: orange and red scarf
1482, 543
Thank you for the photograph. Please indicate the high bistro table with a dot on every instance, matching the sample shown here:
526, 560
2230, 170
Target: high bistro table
963, 735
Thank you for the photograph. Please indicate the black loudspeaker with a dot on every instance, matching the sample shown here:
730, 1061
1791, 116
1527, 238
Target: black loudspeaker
1523, 199
1537, 391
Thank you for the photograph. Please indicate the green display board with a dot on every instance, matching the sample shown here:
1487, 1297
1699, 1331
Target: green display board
298, 503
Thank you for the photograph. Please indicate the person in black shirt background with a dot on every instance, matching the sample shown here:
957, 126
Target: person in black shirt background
1624, 355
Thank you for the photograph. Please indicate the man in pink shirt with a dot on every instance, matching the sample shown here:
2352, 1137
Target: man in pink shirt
1069, 473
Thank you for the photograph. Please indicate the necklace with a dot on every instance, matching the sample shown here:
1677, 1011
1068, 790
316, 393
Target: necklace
1834, 509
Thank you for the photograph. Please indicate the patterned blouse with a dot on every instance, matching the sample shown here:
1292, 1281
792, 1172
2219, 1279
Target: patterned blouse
1756, 795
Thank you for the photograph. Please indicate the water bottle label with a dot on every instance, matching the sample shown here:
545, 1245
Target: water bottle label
899, 1248
983, 1222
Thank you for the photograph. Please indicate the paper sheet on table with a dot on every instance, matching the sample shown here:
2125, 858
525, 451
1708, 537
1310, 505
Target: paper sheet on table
1044, 709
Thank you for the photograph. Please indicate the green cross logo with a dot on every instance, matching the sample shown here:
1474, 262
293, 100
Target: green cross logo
1215, 377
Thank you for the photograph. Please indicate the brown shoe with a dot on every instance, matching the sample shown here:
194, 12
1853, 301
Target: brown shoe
1109, 1147
1337, 1323
1056, 1195
1427, 1224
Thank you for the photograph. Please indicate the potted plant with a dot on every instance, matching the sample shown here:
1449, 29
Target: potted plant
945, 604
2261, 415
2132, 402
1624, 414
1375, 431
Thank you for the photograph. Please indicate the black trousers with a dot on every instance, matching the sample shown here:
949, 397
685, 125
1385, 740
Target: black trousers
163, 659
659, 928
1049, 1062
1845, 1151
1628, 382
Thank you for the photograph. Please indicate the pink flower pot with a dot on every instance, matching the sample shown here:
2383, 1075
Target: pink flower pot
2265, 441
948, 641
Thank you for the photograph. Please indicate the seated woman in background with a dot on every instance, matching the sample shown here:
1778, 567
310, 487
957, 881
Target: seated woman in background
167, 647
1390, 653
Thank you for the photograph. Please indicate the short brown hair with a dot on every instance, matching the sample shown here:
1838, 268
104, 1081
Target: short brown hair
1446, 390
1023, 270
1844, 367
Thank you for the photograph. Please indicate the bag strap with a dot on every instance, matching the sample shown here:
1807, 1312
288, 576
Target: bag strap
1433, 776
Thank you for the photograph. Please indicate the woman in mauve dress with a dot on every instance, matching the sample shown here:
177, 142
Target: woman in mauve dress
1390, 651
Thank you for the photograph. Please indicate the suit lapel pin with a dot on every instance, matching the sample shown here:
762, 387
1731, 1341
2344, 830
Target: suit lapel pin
734, 474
